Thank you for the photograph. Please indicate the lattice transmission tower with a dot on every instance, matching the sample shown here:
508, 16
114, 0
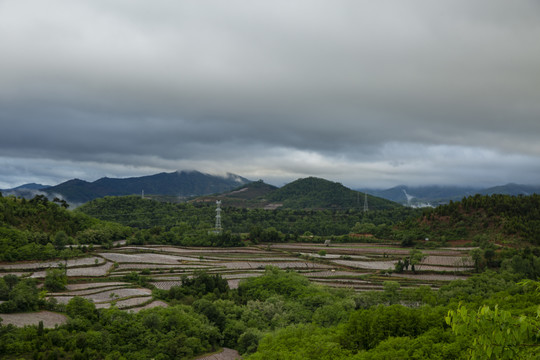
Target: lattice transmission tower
365, 203
218, 216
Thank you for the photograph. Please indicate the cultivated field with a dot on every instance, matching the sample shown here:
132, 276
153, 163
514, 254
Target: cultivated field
102, 278
50, 319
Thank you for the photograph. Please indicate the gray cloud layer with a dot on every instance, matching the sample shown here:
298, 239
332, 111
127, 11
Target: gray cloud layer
368, 93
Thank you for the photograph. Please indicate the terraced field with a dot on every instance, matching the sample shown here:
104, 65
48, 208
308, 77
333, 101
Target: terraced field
100, 277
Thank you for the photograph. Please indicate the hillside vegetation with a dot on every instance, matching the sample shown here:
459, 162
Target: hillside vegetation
303, 194
192, 217
39, 229
178, 184
497, 218
316, 193
252, 196
281, 315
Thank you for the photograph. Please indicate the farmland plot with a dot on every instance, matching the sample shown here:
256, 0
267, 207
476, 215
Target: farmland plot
166, 285
108, 296
370, 265
86, 292
153, 304
90, 271
122, 267
89, 261
146, 258
324, 274
85, 286
431, 277
422, 267
448, 261
356, 266
50, 319
281, 265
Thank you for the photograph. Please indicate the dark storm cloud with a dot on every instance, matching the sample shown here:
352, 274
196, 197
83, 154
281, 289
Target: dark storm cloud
379, 92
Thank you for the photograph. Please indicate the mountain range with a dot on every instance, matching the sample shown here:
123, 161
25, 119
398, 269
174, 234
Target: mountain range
182, 184
234, 190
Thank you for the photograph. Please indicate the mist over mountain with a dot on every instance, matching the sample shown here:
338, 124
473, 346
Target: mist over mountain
308, 192
436, 195
178, 183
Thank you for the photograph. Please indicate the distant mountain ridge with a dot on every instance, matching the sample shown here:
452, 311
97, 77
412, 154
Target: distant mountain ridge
234, 190
437, 195
178, 183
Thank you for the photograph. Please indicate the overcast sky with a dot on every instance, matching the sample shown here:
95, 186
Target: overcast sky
367, 93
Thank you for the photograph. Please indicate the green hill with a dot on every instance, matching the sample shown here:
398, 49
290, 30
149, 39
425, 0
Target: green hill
316, 193
501, 219
40, 229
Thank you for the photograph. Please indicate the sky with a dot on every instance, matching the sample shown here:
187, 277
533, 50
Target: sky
367, 93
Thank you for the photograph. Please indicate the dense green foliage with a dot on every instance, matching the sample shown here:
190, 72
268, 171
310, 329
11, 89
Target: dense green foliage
40, 229
187, 221
281, 315
499, 218
18, 294
315, 193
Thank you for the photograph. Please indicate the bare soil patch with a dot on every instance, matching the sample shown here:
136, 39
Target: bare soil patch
93, 271
107, 295
153, 304
431, 277
226, 354
127, 303
86, 286
50, 319
89, 261
281, 265
371, 265
148, 258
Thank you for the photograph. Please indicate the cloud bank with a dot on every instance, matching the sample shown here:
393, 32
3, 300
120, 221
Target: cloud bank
367, 93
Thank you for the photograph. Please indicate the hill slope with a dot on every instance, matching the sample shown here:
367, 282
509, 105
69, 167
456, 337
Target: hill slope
316, 193
251, 195
39, 229
180, 184
484, 218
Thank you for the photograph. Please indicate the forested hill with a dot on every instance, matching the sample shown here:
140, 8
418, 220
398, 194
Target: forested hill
182, 184
316, 193
251, 195
495, 218
39, 229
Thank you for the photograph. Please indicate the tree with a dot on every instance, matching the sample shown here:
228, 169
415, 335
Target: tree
496, 334
416, 257
476, 255
60, 240
55, 280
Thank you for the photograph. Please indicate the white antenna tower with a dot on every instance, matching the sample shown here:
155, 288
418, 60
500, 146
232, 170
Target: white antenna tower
218, 216
142, 194
365, 203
